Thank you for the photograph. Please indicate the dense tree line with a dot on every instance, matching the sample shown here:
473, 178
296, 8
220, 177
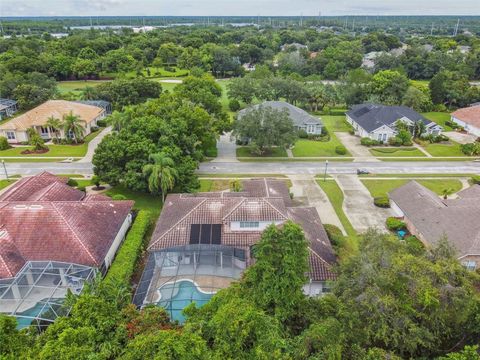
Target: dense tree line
391, 300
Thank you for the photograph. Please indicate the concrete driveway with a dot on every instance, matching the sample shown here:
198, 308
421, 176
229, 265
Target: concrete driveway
358, 205
460, 137
306, 190
92, 145
226, 149
352, 143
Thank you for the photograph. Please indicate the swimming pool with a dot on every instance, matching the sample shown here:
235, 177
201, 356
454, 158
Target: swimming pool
176, 296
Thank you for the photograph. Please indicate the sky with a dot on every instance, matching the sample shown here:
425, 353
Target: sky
236, 7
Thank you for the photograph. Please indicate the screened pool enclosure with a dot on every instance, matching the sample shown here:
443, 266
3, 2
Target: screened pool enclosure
175, 277
36, 294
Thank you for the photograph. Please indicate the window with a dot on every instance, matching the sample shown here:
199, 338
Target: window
311, 129
249, 224
44, 130
10, 135
470, 265
384, 137
379, 137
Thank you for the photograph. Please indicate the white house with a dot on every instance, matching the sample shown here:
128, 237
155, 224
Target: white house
378, 122
469, 119
15, 130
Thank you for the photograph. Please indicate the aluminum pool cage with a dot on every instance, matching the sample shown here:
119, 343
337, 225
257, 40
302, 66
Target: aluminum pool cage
175, 277
36, 294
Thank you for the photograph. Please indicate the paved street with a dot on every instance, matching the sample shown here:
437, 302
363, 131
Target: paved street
285, 167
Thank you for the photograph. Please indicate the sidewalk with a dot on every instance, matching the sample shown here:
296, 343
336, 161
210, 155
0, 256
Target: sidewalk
92, 145
304, 187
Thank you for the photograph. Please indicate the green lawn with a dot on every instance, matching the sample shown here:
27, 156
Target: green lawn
244, 151
5, 183
442, 150
335, 195
383, 187
311, 148
77, 86
439, 118
54, 150
336, 123
392, 152
414, 176
156, 72
207, 185
143, 201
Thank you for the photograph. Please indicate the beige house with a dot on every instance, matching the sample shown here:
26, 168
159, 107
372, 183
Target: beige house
15, 130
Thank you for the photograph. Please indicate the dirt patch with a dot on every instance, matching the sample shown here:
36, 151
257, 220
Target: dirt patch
33, 152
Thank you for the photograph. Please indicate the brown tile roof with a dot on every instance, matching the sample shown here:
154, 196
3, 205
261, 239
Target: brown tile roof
469, 115
42, 187
457, 219
56, 108
182, 210
74, 231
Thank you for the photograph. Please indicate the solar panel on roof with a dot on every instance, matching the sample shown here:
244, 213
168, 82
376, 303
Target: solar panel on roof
206, 234
195, 234
216, 234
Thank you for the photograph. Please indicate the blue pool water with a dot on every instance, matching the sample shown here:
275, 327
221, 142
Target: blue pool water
185, 292
401, 234
35, 311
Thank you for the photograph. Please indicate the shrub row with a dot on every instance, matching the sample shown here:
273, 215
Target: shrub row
335, 236
124, 264
394, 224
476, 179
382, 202
366, 141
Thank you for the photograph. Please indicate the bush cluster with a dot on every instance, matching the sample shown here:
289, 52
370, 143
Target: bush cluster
382, 202
471, 149
433, 139
394, 224
102, 123
72, 182
234, 105
366, 141
4, 145
335, 236
124, 264
341, 150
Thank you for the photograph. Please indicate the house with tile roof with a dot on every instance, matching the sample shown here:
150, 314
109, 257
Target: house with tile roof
202, 242
301, 119
432, 218
52, 239
378, 122
468, 118
16, 129
8, 107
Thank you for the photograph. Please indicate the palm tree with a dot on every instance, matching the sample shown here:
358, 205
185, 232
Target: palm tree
73, 124
55, 124
161, 174
446, 192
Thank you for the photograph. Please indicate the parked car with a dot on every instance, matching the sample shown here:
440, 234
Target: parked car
362, 172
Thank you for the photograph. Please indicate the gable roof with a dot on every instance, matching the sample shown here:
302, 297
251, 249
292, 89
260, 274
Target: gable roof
299, 116
433, 217
372, 116
42, 187
181, 211
58, 109
469, 115
33, 227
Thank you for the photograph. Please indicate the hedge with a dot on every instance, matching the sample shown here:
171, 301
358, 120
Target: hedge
382, 201
335, 235
125, 262
341, 150
476, 179
395, 224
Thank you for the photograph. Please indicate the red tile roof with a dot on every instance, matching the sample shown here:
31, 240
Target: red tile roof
182, 210
42, 187
469, 115
80, 232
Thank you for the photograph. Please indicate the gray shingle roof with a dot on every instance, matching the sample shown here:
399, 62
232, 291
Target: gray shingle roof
299, 117
434, 217
372, 116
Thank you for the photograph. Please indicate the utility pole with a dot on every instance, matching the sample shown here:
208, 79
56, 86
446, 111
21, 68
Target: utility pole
431, 30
